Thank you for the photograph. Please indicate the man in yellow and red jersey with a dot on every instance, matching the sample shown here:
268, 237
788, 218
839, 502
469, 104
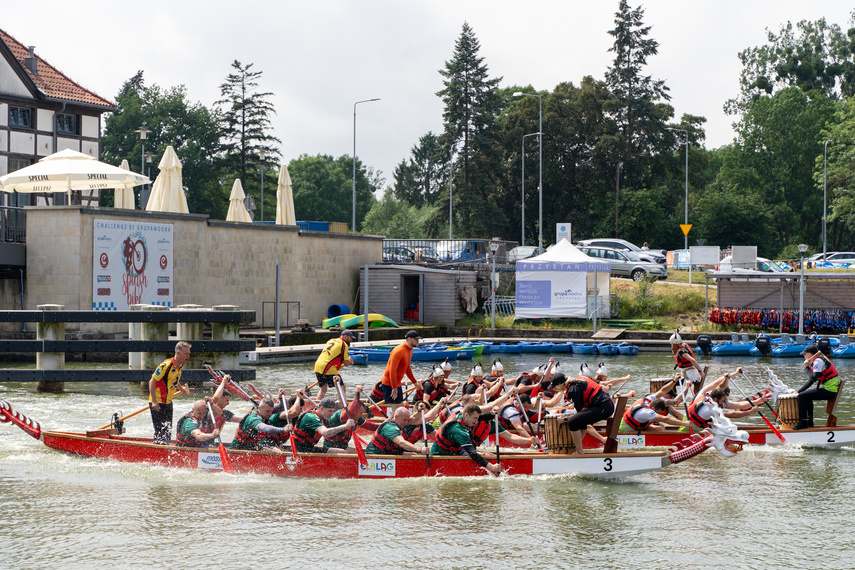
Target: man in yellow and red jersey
333, 358
162, 387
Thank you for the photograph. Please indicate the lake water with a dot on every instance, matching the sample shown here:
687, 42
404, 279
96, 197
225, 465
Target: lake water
769, 507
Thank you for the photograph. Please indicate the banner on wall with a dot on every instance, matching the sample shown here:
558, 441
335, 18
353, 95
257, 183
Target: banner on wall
131, 264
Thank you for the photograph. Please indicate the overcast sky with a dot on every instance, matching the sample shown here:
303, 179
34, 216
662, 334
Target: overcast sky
319, 57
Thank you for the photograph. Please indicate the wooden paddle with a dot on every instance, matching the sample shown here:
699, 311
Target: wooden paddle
224, 455
141, 410
768, 423
359, 451
382, 411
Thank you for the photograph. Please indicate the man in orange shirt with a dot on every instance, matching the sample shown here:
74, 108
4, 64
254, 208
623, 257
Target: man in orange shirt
397, 367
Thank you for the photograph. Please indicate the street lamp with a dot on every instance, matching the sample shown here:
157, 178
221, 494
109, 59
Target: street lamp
143, 135
540, 177
148, 158
617, 195
494, 247
450, 189
522, 241
262, 154
824, 187
802, 250
686, 216
354, 159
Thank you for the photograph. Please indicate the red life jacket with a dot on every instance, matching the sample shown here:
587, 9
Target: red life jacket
449, 411
187, 440
827, 374
385, 445
695, 418
479, 432
302, 437
377, 393
503, 421
447, 444
342, 438
630, 420
682, 362
434, 396
591, 390
415, 435
246, 439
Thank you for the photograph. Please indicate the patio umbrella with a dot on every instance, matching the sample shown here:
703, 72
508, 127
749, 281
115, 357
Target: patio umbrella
167, 192
285, 199
69, 170
237, 211
123, 196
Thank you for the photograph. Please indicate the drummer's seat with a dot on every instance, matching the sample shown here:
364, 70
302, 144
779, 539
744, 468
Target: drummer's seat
831, 405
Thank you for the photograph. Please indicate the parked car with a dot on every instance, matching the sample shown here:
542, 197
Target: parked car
652, 255
835, 258
425, 254
398, 253
761, 264
524, 252
626, 263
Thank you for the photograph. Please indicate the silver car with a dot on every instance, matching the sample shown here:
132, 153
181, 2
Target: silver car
626, 263
652, 255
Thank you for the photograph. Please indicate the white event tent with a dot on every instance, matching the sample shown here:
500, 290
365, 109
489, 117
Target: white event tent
557, 283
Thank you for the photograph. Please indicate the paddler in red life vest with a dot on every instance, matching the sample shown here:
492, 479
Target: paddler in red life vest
255, 433
820, 370
476, 385
648, 413
700, 410
310, 427
432, 389
389, 439
497, 371
190, 427
685, 361
219, 401
453, 438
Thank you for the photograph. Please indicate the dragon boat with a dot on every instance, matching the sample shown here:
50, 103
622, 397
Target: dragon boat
111, 444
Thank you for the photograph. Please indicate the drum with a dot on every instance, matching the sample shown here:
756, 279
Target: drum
558, 439
788, 409
656, 385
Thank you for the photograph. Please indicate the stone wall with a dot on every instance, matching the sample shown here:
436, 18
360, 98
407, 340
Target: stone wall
216, 262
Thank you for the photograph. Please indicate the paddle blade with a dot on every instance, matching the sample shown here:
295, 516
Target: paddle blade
779, 434
357, 442
293, 446
224, 459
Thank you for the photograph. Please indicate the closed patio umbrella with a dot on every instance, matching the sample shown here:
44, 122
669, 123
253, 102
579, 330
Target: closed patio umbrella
123, 196
237, 211
167, 192
285, 214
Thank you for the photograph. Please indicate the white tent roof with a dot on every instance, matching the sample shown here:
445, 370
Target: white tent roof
565, 252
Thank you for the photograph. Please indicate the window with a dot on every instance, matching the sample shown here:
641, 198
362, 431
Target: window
67, 124
20, 117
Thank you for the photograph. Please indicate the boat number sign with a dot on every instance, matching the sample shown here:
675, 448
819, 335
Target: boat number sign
378, 468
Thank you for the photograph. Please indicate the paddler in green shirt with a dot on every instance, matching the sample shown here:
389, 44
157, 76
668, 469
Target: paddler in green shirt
453, 438
255, 433
389, 440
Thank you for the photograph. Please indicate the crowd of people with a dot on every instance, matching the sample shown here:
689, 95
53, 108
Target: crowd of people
402, 421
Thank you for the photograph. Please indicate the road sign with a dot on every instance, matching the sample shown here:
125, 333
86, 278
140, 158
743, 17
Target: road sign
685, 228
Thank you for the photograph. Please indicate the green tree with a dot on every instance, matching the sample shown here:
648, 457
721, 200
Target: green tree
191, 128
418, 180
395, 218
323, 188
840, 182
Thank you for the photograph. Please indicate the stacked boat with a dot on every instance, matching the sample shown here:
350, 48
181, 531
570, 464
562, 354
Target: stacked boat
467, 350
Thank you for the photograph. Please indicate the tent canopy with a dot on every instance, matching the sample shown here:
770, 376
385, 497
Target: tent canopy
555, 284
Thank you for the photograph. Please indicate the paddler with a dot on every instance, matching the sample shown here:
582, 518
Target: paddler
700, 410
255, 432
311, 426
390, 440
332, 359
189, 431
453, 438
591, 402
648, 414
219, 401
340, 417
685, 361
432, 389
822, 371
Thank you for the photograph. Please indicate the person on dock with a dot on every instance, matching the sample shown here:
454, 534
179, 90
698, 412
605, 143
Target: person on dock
822, 371
194, 429
255, 432
685, 361
332, 359
397, 368
311, 426
390, 439
163, 386
453, 438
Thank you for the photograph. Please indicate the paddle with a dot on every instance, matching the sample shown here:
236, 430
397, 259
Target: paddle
524, 413
356, 443
768, 423
753, 387
424, 436
382, 411
498, 455
231, 385
224, 455
290, 427
683, 397
141, 410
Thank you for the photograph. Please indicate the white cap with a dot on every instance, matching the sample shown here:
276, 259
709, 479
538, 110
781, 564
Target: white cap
602, 370
675, 339
437, 371
476, 370
556, 369
446, 365
585, 371
497, 366
538, 370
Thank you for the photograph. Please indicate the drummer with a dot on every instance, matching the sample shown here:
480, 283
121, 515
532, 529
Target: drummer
820, 370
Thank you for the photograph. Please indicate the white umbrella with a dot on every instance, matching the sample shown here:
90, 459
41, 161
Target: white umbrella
237, 211
123, 196
167, 192
285, 199
69, 170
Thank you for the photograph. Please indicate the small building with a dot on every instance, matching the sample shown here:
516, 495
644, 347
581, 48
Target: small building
414, 294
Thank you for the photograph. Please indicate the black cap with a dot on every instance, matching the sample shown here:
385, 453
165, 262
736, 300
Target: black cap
412, 334
810, 349
347, 332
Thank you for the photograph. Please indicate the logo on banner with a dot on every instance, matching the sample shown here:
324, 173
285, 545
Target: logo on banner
103, 291
163, 279
103, 279
163, 262
135, 256
163, 292
378, 468
105, 261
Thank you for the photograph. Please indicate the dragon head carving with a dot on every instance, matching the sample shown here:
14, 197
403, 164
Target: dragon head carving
777, 387
727, 438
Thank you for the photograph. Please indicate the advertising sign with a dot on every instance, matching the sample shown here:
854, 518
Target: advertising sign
132, 264
562, 231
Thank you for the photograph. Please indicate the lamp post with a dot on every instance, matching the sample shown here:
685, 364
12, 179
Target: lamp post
540, 176
143, 135
450, 193
824, 188
494, 247
686, 215
262, 154
522, 240
617, 195
802, 250
353, 230
148, 158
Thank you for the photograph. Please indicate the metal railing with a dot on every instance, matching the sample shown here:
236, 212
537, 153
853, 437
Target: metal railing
442, 251
506, 305
13, 224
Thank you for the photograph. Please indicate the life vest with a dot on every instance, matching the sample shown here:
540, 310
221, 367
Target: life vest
384, 444
629, 418
332, 356
302, 437
247, 439
415, 435
694, 417
473, 383
524, 379
449, 411
479, 432
341, 438
591, 390
503, 421
446, 444
435, 395
186, 440
682, 362
377, 393
827, 374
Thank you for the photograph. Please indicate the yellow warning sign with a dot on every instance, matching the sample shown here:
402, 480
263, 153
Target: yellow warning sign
685, 228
